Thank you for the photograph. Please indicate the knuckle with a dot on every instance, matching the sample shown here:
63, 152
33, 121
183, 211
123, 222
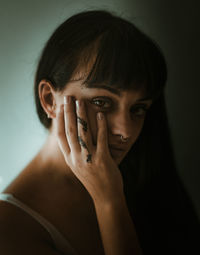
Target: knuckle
101, 135
67, 109
99, 161
77, 164
69, 130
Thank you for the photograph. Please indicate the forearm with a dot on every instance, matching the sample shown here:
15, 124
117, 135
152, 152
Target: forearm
117, 228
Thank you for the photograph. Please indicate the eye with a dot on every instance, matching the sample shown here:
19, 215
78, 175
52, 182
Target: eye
101, 103
140, 111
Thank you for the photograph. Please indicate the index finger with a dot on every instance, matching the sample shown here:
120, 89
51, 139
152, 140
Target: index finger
60, 131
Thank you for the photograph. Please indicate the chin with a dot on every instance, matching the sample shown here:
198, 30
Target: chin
117, 160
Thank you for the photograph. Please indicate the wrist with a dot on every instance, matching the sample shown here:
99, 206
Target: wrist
110, 202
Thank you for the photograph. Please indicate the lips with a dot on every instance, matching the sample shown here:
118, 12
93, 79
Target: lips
116, 148
116, 152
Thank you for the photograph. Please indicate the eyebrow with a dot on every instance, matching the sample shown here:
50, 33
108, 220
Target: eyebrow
114, 91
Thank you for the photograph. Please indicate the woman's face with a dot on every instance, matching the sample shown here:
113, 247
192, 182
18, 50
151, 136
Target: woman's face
124, 112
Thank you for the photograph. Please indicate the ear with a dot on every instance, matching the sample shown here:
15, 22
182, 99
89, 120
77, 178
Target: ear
47, 98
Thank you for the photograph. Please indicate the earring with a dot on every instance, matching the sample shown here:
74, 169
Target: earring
53, 108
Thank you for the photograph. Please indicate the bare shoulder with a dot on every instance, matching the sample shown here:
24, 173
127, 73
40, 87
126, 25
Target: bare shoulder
39, 191
56, 199
19, 234
16, 221
16, 225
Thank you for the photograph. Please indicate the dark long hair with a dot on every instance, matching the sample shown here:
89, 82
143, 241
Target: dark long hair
121, 56
114, 51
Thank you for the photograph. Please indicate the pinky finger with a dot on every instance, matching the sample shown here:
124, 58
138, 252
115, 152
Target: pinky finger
60, 132
102, 136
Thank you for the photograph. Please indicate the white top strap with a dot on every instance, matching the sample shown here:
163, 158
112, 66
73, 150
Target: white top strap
60, 242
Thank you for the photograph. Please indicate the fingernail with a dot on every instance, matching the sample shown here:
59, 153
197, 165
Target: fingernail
100, 115
66, 99
77, 104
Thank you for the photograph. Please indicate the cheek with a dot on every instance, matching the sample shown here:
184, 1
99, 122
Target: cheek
137, 129
137, 125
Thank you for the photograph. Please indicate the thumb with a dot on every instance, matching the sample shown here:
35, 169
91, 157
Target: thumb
102, 134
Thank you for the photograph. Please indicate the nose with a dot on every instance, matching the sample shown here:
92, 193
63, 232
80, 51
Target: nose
120, 124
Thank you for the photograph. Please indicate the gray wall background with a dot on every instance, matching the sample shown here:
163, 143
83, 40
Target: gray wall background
26, 25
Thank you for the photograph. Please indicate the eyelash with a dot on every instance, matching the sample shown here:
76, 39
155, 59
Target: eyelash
144, 107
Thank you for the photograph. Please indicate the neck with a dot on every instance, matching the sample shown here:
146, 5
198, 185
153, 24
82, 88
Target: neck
51, 157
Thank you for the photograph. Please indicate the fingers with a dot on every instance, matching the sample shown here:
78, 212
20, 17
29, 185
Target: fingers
102, 135
71, 124
60, 130
84, 133
74, 134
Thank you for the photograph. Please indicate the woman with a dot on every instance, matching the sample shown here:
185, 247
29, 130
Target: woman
101, 184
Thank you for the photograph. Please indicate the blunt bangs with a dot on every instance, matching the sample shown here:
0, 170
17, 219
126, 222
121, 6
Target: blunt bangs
125, 59
101, 49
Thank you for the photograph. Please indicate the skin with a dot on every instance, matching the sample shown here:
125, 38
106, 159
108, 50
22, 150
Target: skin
117, 112
65, 172
83, 140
